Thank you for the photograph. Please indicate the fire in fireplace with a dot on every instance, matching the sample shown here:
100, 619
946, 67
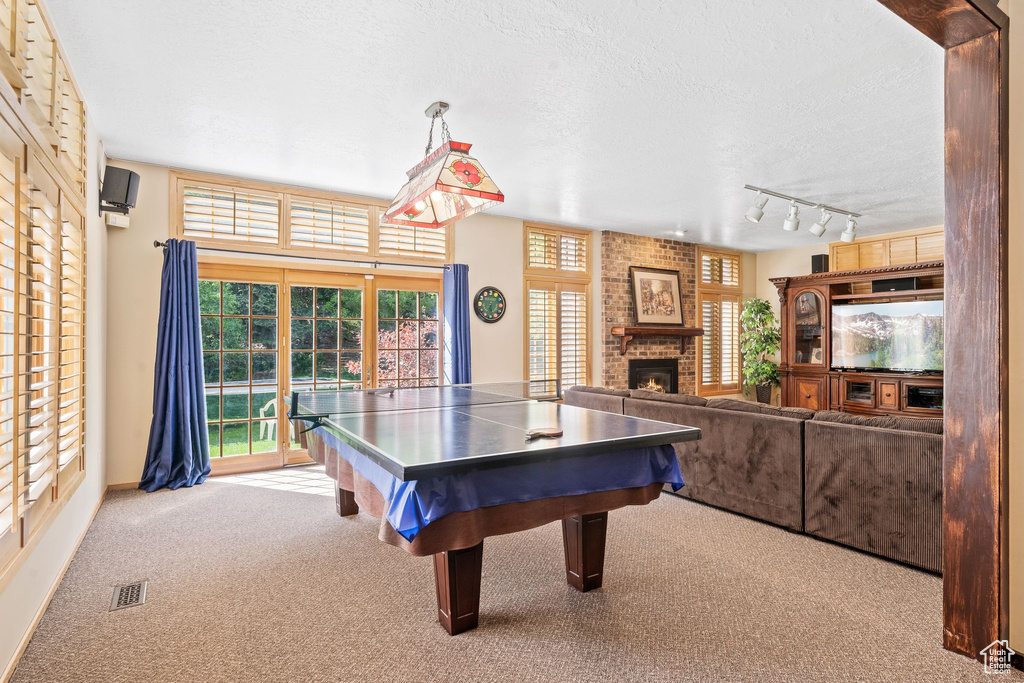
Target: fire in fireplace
660, 374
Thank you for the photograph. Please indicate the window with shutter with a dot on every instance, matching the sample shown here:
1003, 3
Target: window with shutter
224, 213
719, 305
556, 332
408, 241
244, 215
552, 250
332, 225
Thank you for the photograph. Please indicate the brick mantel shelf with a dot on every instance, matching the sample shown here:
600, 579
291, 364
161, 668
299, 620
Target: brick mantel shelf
625, 334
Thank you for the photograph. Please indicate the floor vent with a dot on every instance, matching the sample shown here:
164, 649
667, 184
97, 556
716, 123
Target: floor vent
129, 595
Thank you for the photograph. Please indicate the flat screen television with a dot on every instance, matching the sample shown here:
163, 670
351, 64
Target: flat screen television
899, 336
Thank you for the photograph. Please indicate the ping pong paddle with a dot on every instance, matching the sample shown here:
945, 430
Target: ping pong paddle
548, 432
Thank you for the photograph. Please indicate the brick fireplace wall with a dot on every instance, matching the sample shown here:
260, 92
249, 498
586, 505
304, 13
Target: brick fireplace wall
619, 251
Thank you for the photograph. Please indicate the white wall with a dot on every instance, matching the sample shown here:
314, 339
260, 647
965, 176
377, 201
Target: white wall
24, 597
133, 298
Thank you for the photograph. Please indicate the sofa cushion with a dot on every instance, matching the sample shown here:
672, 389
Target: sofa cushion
925, 425
760, 408
684, 399
600, 390
733, 404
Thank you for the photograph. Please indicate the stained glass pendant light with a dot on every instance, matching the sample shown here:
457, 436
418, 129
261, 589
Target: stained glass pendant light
447, 185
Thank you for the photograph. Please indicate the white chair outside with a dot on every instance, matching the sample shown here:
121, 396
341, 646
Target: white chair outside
268, 426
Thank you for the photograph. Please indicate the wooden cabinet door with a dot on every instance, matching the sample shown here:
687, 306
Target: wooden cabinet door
809, 392
888, 395
845, 257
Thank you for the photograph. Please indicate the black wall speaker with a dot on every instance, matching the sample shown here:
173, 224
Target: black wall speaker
120, 189
900, 284
819, 263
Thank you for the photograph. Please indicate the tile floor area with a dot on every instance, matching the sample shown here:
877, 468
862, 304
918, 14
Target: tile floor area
310, 479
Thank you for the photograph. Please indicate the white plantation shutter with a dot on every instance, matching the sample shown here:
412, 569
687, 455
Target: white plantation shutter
719, 268
72, 338
554, 251
542, 330
406, 240
710, 321
223, 213
36, 60
720, 367
330, 225
37, 391
573, 335
557, 332
9, 538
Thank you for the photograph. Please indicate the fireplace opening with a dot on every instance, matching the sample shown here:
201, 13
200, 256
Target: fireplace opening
660, 374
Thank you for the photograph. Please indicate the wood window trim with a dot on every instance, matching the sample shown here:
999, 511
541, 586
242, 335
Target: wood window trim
580, 233
557, 282
285, 193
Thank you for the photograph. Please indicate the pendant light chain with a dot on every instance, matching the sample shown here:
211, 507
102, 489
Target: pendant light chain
445, 135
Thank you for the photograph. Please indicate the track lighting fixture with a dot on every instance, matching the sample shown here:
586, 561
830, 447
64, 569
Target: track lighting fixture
792, 222
756, 210
850, 234
819, 228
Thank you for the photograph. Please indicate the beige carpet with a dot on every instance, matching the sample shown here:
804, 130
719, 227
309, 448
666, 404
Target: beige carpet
258, 579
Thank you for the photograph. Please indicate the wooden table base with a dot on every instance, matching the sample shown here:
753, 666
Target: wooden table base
345, 501
457, 578
457, 573
584, 538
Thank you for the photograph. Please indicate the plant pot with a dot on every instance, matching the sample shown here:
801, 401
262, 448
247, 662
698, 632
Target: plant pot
764, 393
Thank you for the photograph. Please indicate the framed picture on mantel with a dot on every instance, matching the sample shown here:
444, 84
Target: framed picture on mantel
656, 297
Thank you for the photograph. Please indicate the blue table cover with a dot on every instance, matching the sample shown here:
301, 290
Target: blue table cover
412, 505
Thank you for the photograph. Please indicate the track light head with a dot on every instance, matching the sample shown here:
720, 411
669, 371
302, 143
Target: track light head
819, 228
792, 222
756, 210
850, 234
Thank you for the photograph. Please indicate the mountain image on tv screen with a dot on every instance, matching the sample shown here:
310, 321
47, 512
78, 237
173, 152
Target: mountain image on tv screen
905, 335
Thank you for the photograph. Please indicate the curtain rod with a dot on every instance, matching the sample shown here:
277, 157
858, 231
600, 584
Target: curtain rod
374, 264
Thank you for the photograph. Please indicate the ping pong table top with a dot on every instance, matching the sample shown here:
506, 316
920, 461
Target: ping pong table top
432, 431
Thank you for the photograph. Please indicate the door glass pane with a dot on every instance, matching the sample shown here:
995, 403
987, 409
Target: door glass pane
407, 339
323, 321
240, 360
808, 323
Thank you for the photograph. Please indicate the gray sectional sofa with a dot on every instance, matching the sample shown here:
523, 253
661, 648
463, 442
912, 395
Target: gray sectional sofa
871, 483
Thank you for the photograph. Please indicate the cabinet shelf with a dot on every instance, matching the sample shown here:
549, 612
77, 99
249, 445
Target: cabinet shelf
625, 334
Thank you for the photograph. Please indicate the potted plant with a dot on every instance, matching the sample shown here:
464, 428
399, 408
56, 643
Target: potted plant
761, 339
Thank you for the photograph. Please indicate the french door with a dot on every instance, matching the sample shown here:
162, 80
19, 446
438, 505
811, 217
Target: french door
270, 331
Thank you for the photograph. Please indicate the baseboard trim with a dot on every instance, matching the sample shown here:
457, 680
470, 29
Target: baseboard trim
123, 487
13, 664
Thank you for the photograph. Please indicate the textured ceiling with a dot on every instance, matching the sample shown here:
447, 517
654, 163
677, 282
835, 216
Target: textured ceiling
644, 117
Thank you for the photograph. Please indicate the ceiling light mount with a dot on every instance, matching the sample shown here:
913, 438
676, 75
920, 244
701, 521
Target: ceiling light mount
792, 223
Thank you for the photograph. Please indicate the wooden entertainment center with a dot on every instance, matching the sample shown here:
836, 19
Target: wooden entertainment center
808, 380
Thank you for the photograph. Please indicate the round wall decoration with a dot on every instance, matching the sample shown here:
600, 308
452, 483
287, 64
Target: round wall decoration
489, 304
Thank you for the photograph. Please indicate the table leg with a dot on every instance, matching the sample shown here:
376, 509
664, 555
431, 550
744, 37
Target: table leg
584, 538
346, 502
457, 578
